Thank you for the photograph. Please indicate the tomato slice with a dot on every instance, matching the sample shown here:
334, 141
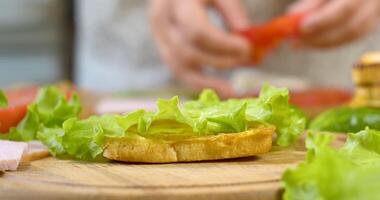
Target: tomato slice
18, 101
267, 36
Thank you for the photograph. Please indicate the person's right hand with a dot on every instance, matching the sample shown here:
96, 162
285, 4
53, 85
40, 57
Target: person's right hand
334, 23
188, 42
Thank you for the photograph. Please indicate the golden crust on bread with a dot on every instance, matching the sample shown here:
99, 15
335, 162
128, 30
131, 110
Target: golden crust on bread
213, 147
367, 71
366, 75
366, 78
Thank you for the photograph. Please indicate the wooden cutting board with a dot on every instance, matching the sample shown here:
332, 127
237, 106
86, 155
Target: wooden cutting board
245, 178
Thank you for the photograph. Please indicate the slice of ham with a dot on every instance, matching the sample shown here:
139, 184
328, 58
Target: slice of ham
13, 153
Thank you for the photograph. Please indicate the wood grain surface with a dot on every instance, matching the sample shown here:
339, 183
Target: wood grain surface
245, 178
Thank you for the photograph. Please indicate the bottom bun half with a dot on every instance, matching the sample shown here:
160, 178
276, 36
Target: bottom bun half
213, 147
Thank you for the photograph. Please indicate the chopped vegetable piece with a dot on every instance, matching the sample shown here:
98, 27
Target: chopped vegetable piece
347, 119
14, 112
267, 36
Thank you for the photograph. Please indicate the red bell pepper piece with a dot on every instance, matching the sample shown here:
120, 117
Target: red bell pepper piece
269, 35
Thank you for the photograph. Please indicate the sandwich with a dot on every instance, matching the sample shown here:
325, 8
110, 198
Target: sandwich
204, 129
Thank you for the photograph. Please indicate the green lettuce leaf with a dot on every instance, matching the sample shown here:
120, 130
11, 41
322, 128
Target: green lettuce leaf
52, 139
350, 172
26, 130
330, 175
273, 107
315, 142
50, 109
211, 116
3, 99
85, 139
363, 147
168, 119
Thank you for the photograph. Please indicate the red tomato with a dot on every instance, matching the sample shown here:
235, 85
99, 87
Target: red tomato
320, 97
18, 101
317, 100
267, 36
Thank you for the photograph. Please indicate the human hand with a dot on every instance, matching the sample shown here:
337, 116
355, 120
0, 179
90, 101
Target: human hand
332, 23
188, 42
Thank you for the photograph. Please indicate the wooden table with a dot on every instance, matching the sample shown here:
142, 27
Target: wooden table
244, 178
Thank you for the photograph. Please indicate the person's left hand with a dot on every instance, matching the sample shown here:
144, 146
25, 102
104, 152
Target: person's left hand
332, 23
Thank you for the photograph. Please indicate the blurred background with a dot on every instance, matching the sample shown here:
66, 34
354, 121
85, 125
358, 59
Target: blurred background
107, 46
35, 41
99, 45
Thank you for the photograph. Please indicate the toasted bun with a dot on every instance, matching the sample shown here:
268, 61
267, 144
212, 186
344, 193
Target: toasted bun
221, 146
367, 71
